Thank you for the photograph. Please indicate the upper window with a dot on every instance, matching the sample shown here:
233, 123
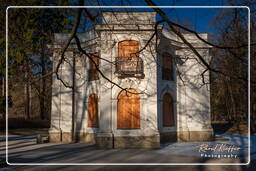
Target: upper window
93, 73
128, 49
93, 111
168, 115
128, 62
167, 67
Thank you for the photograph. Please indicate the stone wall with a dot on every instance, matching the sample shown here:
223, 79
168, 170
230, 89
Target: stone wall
193, 99
111, 35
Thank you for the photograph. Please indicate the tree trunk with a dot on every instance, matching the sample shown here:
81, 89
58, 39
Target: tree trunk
253, 115
42, 92
27, 93
73, 99
3, 92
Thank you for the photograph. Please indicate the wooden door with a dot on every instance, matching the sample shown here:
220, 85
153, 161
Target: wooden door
168, 116
93, 111
128, 110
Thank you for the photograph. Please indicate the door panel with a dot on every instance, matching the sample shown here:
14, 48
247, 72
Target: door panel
168, 116
128, 110
93, 111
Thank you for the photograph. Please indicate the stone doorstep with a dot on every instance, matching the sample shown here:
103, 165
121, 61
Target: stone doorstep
66, 137
166, 137
106, 140
152, 142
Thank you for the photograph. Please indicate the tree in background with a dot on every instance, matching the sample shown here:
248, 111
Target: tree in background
29, 65
229, 93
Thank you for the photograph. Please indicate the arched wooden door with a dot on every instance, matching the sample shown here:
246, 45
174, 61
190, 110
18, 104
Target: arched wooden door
128, 110
93, 111
168, 115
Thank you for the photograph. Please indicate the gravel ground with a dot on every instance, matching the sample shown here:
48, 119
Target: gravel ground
24, 149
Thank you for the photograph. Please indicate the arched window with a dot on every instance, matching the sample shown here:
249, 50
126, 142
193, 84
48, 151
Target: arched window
93, 111
128, 62
128, 109
93, 73
167, 67
168, 115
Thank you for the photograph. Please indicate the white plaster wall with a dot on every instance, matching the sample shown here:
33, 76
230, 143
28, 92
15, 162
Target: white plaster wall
55, 104
61, 118
84, 88
193, 94
147, 85
80, 95
129, 18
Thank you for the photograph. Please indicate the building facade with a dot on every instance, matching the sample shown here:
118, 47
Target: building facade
141, 85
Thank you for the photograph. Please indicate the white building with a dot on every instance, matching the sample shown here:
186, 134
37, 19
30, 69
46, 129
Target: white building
165, 97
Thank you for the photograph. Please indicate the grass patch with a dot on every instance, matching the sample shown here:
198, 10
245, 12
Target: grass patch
230, 128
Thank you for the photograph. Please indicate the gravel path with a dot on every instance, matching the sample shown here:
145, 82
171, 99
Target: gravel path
24, 149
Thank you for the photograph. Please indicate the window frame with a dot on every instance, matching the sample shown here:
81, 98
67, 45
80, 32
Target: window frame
128, 54
93, 73
167, 67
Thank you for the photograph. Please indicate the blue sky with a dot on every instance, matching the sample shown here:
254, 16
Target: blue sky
198, 19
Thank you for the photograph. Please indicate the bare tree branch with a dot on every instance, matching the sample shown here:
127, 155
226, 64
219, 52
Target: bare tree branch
207, 42
73, 32
162, 14
166, 19
97, 67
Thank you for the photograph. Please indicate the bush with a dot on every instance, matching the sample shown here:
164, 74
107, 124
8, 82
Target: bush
16, 123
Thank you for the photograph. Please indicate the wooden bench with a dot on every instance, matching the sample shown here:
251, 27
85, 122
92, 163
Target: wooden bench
42, 138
